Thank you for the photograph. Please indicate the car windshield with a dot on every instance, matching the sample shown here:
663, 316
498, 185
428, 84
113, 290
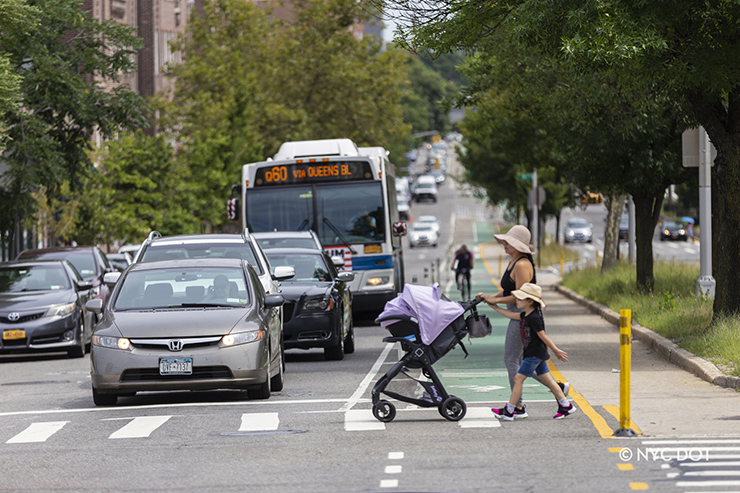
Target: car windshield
672, 225
429, 220
182, 287
168, 250
577, 223
33, 278
83, 261
267, 243
422, 227
308, 268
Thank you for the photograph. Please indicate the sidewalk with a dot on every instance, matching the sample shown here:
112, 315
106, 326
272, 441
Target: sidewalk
665, 399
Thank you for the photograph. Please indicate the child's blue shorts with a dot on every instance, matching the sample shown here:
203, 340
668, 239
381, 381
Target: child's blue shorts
533, 364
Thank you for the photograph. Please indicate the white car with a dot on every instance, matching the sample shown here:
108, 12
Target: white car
423, 234
429, 221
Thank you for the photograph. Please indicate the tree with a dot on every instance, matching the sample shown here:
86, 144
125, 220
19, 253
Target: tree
58, 62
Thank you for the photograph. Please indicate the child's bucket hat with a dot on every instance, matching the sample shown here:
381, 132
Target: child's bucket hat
531, 291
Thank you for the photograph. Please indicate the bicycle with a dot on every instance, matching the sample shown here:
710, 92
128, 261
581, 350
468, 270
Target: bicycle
463, 283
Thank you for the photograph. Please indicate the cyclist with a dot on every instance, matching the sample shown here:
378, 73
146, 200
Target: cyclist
462, 264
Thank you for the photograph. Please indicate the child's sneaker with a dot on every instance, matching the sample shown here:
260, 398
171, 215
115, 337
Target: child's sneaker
565, 411
503, 414
565, 387
520, 412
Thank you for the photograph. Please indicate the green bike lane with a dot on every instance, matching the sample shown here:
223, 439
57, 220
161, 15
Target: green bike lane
481, 377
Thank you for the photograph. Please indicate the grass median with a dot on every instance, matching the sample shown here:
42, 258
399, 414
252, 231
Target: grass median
672, 310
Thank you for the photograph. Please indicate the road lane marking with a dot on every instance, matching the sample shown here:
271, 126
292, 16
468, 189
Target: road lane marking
140, 427
393, 469
479, 417
614, 411
389, 483
368, 379
38, 432
361, 420
259, 422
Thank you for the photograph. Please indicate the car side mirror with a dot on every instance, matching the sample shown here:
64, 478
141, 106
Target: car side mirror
274, 300
283, 272
337, 261
111, 278
83, 285
95, 306
346, 276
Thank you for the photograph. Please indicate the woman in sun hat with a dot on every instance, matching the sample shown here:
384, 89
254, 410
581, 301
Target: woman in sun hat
519, 271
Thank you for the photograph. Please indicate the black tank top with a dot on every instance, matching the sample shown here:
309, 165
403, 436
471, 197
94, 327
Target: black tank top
507, 283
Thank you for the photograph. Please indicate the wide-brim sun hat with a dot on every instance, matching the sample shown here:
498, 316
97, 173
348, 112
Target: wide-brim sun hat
531, 291
518, 237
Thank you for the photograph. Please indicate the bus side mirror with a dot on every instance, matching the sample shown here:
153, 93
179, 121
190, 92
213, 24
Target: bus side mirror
399, 228
232, 209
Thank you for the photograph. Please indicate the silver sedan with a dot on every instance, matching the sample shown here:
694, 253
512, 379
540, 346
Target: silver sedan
187, 324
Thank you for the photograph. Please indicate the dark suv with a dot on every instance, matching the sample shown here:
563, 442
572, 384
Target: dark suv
89, 261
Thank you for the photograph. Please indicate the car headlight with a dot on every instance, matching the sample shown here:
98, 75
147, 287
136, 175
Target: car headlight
377, 281
111, 342
570, 232
318, 304
242, 338
60, 310
667, 233
682, 232
415, 237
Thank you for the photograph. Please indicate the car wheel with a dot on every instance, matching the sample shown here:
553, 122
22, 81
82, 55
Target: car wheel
336, 352
261, 392
78, 351
104, 399
277, 382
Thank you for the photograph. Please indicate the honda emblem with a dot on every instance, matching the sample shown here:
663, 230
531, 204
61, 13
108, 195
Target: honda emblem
175, 345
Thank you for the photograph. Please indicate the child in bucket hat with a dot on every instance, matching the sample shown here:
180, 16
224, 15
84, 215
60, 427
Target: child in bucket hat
536, 343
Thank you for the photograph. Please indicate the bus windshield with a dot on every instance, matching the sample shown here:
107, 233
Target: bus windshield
347, 212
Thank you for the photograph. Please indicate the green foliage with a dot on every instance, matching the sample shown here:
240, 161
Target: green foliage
55, 58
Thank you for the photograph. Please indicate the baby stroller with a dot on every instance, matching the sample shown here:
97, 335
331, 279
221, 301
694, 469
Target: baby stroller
428, 327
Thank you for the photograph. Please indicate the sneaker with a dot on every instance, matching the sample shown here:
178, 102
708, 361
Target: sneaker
520, 412
565, 411
565, 387
503, 414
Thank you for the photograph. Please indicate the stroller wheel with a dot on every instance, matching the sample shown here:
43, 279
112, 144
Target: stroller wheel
384, 411
453, 408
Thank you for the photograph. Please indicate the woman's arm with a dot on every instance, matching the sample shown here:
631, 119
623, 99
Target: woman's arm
561, 355
507, 313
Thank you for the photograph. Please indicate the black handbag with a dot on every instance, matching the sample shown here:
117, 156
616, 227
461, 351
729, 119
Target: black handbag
478, 325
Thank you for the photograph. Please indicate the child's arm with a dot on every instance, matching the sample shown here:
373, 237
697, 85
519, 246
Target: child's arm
560, 354
507, 313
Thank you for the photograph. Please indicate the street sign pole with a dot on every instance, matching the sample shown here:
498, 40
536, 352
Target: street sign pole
535, 216
705, 285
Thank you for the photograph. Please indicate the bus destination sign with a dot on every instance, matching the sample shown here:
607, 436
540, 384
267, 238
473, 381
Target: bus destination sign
312, 172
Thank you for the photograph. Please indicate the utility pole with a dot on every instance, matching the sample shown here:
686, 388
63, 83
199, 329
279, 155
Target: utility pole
705, 285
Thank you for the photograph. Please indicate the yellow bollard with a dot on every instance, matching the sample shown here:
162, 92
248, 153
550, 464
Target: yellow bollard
625, 360
562, 262
500, 257
597, 259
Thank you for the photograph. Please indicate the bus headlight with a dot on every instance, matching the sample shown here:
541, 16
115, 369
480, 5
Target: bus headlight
377, 281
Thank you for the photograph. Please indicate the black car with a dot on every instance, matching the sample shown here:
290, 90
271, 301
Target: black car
89, 261
318, 303
42, 308
673, 231
624, 226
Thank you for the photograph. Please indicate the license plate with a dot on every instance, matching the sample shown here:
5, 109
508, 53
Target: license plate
176, 366
9, 335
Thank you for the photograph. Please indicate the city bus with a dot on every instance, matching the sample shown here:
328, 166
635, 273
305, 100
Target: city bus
346, 195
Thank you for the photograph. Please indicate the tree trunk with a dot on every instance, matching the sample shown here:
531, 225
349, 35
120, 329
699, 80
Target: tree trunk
647, 211
614, 205
726, 233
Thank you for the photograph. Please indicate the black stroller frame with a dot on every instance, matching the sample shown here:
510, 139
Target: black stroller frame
405, 330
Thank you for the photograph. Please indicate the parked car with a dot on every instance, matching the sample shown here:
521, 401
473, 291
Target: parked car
422, 234
578, 230
119, 261
42, 307
404, 210
89, 261
318, 303
673, 231
288, 239
187, 324
243, 246
430, 221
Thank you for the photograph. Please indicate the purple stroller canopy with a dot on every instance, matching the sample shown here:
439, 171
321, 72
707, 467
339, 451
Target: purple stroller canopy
423, 304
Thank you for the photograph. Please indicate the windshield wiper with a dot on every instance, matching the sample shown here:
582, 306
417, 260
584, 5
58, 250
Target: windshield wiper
204, 305
340, 235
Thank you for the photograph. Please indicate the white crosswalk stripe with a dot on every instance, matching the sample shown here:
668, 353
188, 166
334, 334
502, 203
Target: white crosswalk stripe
698, 463
38, 432
140, 427
259, 422
361, 420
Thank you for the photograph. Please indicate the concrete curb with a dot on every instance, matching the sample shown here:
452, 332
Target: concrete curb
667, 349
